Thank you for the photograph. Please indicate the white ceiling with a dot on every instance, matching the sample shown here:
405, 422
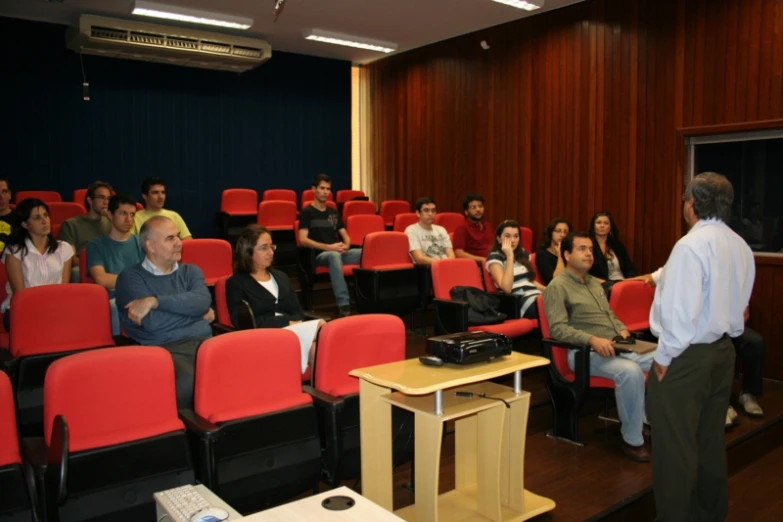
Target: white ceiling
408, 23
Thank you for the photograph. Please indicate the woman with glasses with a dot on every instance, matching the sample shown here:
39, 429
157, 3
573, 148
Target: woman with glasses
33, 256
268, 291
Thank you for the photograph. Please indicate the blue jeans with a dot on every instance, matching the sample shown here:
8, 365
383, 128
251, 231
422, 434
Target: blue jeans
115, 317
627, 372
335, 262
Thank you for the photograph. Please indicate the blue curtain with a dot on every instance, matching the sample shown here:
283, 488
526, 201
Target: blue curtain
202, 131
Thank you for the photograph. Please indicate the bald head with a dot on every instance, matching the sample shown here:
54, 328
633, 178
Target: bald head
159, 238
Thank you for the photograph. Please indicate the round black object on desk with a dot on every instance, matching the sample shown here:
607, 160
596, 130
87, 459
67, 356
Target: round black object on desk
338, 503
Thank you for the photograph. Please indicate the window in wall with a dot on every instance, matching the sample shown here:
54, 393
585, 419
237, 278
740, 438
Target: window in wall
753, 162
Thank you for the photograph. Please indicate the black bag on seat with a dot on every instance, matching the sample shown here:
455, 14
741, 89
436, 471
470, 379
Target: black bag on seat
483, 306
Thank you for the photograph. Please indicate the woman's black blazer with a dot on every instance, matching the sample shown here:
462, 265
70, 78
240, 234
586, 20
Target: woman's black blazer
601, 269
242, 286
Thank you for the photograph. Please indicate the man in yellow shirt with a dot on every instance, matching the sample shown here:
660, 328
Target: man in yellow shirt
153, 190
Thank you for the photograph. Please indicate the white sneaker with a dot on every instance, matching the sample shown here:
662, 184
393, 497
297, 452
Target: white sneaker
731, 417
750, 405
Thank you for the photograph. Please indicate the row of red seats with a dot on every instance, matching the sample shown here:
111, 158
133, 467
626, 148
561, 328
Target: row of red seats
110, 415
240, 201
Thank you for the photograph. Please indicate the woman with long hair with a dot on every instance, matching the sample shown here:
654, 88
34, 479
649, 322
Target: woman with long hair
611, 260
549, 262
268, 291
33, 257
511, 270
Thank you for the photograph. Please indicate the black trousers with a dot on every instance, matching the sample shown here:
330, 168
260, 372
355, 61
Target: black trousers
750, 346
183, 352
687, 410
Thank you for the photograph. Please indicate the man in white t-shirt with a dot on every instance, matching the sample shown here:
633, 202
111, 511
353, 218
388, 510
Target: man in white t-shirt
427, 242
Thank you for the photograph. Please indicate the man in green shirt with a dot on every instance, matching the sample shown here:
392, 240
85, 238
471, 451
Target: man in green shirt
80, 230
578, 313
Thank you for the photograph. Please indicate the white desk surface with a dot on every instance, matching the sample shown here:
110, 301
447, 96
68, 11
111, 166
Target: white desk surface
309, 509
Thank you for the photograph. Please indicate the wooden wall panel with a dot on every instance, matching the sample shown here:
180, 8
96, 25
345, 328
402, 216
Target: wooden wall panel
577, 110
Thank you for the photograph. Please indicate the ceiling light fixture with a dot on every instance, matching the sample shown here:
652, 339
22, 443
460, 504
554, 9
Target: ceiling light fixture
351, 41
527, 5
193, 16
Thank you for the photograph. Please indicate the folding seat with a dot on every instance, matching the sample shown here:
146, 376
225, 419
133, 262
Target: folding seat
239, 202
344, 345
390, 208
47, 323
307, 271
255, 429
238, 208
452, 316
631, 302
568, 389
113, 435
56, 230
386, 280
359, 225
280, 195
15, 505
47, 196
527, 239
5, 339
344, 196
308, 196
79, 195
277, 215
213, 256
404, 220
84, 273
222, 313
449, 220
355, 208
59, 211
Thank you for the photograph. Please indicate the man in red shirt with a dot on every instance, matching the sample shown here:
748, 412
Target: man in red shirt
474, 238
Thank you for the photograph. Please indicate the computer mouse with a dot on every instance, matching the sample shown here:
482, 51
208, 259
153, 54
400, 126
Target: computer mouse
211, 514
430, 360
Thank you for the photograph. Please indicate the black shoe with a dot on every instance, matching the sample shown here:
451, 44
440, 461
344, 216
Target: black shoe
345, 311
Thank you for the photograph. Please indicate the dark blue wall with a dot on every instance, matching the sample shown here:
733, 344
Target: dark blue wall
273, 127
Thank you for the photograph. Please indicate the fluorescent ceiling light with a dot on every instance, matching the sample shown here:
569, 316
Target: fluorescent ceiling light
351, 41
527, 5
193, 16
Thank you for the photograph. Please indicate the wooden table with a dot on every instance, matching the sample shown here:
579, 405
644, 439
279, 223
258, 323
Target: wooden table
489, 438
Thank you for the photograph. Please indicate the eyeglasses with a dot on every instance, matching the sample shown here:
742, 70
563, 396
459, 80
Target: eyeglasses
264, 248
104, 198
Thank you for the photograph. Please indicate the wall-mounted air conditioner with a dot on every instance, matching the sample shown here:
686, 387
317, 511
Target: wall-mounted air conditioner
133, 40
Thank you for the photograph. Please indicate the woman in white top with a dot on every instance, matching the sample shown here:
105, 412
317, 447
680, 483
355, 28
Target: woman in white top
511, 270
268, 291
33, 257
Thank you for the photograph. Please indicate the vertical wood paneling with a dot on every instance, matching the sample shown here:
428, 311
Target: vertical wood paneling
576, 110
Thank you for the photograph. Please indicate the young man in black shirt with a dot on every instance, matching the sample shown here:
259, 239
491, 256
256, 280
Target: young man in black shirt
321, 228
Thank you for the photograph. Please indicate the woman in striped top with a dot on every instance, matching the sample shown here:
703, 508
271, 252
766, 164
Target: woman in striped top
509, 265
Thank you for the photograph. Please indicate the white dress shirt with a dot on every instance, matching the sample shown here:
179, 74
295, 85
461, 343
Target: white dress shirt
38, 269
703, 289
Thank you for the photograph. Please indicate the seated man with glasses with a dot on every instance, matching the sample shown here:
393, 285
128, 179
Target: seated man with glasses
428, 242
268, 291
80, 230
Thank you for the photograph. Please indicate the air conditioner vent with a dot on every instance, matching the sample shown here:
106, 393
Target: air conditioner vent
165, 44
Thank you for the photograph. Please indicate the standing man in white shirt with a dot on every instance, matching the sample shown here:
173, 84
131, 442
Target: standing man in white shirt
698, 308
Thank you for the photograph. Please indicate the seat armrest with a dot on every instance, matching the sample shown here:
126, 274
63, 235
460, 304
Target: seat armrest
323, 399
35, 453
560, 344
306, 262
311, 316
218, 328
450, 316
198, 424
581, 359
122, 340
511, 305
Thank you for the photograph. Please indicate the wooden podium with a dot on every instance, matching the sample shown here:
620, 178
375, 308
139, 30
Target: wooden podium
489, 438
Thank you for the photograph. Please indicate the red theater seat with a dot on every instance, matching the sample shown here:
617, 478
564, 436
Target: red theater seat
390, 208
386, 281
631, 302
113, 432
239, 201
347, 195
355, 208
213, 256
14, 499
59, 211
257, 429
359, 225
403, 221
47, 196
280, 195
344, 345
277, 215
449, 220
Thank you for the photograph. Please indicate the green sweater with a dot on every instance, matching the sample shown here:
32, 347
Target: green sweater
577, 311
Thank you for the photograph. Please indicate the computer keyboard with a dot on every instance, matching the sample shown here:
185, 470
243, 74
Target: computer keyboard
181, 503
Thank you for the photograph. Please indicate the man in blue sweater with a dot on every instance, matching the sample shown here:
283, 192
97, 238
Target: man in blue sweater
165, 303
